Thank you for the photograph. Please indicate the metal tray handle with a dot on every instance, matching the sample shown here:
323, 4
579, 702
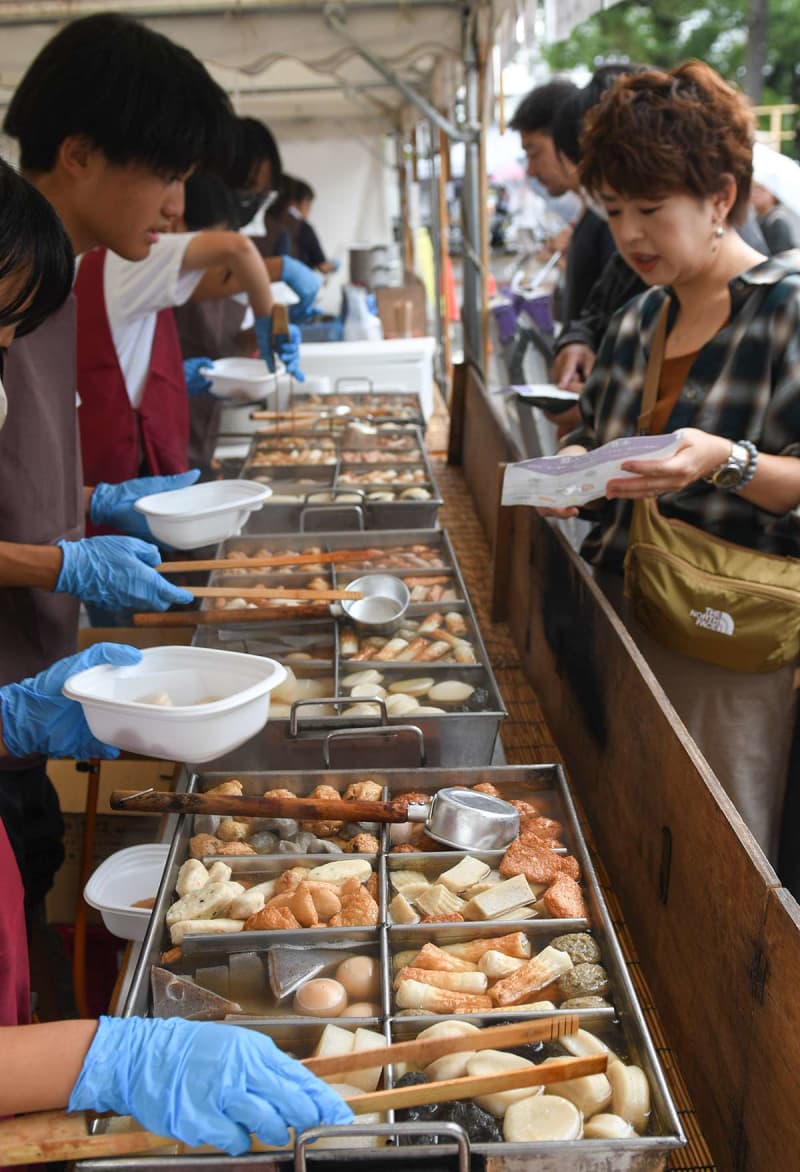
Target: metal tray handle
354, 382
451, 1131
334, 506
384, 730
294, 719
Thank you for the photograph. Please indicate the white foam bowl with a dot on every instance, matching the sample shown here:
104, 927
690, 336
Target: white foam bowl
202, 514
124, 878
220, 699
244, 380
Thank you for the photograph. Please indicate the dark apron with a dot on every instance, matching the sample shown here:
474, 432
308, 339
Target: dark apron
41, 490
207, 329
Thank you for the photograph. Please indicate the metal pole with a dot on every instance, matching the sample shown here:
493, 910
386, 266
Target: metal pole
470, 201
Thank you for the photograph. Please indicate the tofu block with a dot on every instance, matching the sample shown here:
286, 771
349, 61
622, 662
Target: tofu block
438, 901
401, 911
465, 873
511, 893
367, 1080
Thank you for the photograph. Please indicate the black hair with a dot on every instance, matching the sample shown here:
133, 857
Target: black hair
254, 144
301, 190
208, 202
568, 120
35, 248
537, 109
133, 93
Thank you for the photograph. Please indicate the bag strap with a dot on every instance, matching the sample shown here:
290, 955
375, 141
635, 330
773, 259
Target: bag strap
652, 375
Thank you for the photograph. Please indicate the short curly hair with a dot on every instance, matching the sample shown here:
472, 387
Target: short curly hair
656, 133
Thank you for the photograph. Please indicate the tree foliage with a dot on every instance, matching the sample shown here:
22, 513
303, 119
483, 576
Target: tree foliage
665, 32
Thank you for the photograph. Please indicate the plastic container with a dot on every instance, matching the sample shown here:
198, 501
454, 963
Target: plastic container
243, 380
202, 514
215, 701
120, 881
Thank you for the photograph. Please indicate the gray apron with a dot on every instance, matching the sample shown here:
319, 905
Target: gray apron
207, 329
41, 491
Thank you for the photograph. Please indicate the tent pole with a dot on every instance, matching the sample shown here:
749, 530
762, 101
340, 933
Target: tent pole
442, 220
470, 197
484, 90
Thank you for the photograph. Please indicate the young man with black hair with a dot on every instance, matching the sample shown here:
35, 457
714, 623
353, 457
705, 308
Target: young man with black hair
590, 245
110, 118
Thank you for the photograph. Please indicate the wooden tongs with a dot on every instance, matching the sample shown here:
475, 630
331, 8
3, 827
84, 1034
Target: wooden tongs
54, 1135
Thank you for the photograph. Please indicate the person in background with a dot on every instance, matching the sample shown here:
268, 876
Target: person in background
590, 244
779, 226
304, 243
253, 173
670, 157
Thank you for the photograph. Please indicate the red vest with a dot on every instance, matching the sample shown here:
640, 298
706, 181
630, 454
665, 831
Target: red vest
14, 996
119, 441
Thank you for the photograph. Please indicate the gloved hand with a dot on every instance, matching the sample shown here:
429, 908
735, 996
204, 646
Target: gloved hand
201, 1082
196, 382
288, 349
306, 283
335, 264
116, 572
37, 718
112, 504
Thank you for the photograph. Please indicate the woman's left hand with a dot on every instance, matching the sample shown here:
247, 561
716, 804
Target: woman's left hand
698, 454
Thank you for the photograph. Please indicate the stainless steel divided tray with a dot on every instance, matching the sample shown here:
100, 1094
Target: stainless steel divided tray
623, 1028
304, 736
333, 409
337, 487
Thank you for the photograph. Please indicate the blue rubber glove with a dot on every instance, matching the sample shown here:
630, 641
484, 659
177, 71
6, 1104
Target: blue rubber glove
288, 349
112, 504
196, 382
202, 1083
306, 283
115, 572
37, 718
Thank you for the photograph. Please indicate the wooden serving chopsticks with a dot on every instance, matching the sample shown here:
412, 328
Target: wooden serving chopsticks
274, 561
221, 616
53, 1135
282, 592
423, 1051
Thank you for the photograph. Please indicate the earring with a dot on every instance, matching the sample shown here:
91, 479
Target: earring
719, 231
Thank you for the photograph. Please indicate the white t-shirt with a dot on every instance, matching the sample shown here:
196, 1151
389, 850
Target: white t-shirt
135, 291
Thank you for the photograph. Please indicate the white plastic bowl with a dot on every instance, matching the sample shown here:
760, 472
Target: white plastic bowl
124, 878
202, 514
220, 699
244, 380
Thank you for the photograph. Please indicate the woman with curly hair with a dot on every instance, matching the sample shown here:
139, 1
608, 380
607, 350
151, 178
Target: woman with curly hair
669, 155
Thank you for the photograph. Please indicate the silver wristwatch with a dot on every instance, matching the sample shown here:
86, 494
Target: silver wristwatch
731, 474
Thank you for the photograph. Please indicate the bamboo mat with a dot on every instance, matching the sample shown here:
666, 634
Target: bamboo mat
527, 740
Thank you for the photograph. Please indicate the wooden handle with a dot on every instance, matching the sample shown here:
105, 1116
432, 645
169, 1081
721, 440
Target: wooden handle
247, 564
220, 616
426, 1050
307, 809
53, 1135
450, 1089
280, 321
274, 592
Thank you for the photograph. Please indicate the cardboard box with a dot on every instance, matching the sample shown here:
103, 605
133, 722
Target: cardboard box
403, 310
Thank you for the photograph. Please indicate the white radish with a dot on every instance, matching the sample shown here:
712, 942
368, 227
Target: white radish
498, 1062
604, 1126
450, 692
541, 1117
630, 1094
415, 687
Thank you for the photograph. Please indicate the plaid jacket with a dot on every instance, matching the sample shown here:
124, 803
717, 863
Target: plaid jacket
744, 385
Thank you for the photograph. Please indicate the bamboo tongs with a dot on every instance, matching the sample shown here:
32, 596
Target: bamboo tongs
54, 1135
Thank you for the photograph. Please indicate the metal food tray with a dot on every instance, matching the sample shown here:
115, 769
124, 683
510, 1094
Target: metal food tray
309, 742
384, 408
311, 513
626, 1032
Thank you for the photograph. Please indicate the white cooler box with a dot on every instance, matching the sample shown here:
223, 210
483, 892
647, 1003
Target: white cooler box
396, 364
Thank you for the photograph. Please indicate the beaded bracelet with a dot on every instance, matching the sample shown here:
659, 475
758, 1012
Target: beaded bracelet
752, 464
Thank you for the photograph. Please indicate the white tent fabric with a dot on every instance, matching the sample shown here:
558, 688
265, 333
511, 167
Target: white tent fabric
562, 16
283, 61
779, 174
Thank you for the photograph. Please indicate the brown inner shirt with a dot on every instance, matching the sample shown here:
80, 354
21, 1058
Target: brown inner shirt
674, 372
